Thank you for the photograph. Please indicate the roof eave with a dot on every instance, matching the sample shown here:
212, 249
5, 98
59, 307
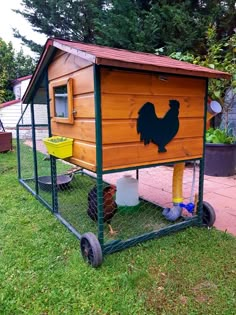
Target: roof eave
75, 51
49, 48
172, 70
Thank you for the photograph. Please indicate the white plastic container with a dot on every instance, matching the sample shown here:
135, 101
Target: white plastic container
127, 191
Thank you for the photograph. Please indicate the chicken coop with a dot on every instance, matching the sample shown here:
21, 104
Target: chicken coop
123, 128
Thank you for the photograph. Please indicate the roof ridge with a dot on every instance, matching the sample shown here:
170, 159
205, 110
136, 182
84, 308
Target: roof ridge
108, 47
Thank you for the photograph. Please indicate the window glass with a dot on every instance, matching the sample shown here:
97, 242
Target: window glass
61, 101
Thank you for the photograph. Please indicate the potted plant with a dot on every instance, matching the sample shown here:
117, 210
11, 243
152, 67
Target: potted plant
5, 141
220, 148
60, 147
220, 152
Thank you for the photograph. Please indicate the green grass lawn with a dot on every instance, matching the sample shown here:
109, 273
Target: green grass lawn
42, 272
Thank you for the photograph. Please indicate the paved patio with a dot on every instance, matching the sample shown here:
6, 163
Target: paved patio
220, 192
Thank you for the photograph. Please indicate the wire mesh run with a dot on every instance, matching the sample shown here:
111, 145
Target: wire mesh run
86, 202
77, 200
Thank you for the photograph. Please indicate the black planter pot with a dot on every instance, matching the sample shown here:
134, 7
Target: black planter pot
220, 159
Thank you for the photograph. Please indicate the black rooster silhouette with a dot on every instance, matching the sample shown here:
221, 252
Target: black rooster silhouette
158, 130
109, 205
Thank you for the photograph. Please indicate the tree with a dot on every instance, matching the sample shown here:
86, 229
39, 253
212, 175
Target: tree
68, 19
13, 65
143, 25
124, 26
221, 55
6, 68
23, 64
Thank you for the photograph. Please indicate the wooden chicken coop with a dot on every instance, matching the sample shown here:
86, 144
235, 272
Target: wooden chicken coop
124, 110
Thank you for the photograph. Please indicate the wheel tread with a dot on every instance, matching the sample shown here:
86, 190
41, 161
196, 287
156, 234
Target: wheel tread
208, 216
95, 259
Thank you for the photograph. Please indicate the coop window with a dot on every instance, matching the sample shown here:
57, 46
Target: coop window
61, 103
61, 94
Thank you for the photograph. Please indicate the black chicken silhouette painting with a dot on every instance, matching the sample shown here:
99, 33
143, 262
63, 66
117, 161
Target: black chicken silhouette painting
160, 131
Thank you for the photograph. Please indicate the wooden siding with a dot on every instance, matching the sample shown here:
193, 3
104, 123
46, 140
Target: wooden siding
84, 106
126, 106
123, 93
65, 66
140, 83
82, 129
123, 131
84, 154
82, 81
136, 154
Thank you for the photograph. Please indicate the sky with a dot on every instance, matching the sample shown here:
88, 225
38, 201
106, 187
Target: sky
9, 20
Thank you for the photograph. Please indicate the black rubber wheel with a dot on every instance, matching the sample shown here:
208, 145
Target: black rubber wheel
91, 249
208, 214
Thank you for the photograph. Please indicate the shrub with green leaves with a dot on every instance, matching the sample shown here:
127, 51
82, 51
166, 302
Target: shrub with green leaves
219, 136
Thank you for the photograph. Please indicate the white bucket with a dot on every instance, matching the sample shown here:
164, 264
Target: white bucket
127, 191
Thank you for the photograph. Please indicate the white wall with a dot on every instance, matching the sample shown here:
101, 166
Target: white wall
11, 114
19, 88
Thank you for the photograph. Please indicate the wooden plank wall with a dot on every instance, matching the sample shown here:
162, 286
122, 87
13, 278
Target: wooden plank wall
123, 93
63, 66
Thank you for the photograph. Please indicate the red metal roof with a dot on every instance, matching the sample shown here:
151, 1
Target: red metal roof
21, 79
106, 55
9, 103
115, 57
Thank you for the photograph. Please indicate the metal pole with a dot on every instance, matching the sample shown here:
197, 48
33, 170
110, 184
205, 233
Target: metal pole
53, 160
34, 148
54, 184
48, 107
99, 154
18, 142
18, 151
202, 161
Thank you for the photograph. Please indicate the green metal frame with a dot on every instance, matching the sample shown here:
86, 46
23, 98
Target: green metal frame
202, 162
99, 164
18, 142
34, 147
117, 245
133, 168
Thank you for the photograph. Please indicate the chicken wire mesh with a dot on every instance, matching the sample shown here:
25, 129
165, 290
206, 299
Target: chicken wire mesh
155, 194
31, 128
90, 204
77, 199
